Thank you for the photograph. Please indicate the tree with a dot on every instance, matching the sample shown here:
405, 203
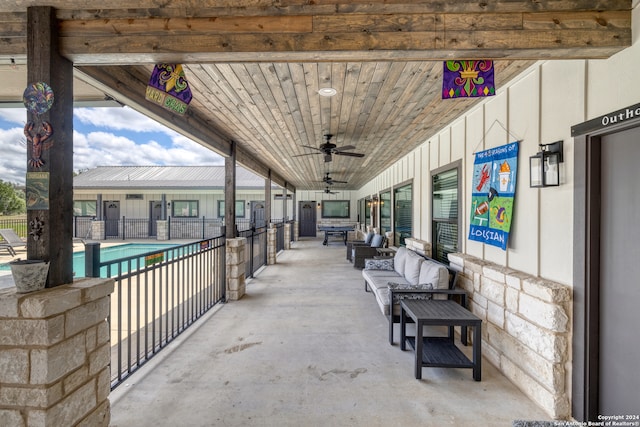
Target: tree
12, 200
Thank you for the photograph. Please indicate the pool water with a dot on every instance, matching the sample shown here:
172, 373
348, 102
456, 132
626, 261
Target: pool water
112, 253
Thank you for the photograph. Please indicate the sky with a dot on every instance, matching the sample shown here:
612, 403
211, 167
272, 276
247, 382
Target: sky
110, 136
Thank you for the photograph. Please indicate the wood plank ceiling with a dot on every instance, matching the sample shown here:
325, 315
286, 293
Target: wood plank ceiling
255, 66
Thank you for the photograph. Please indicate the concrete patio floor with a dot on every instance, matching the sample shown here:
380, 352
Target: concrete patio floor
306, 346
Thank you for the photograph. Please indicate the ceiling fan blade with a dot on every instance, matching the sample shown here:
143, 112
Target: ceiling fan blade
305, 154
335, 181
346, 153
313, 148
345, 147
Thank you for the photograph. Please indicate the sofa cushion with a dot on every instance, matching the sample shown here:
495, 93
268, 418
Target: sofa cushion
436, 274
368, 237
399, 260
376, 242
412, 268
379, 264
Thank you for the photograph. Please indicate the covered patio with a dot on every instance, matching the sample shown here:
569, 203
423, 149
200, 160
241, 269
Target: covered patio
564, 72
307, 346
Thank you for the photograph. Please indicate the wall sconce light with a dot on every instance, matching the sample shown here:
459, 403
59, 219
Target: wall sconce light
318, 204
544, 166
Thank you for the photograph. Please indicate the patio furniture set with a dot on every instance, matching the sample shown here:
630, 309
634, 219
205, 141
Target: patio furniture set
410, 287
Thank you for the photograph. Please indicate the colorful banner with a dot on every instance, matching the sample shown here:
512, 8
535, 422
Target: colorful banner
493, 193
168, 87
465, 79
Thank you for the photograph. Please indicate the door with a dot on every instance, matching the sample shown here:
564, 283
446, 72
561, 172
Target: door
111, 218
155, 214
619, 290
307, 219
257, 214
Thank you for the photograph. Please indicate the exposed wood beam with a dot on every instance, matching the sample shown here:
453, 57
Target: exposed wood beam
332, 31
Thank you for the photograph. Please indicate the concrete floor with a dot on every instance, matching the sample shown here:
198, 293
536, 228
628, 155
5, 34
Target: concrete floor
306, 346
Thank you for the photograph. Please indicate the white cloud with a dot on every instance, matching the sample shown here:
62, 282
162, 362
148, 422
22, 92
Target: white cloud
104, 147
116, 118
14, 115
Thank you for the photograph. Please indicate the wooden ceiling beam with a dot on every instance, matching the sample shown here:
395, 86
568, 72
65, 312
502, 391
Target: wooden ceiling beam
330, 31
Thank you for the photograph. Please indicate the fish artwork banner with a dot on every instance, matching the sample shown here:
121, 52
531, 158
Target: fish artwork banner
493, 194
467, 79
168, 87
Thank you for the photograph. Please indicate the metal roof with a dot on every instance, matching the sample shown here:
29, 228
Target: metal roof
169, 177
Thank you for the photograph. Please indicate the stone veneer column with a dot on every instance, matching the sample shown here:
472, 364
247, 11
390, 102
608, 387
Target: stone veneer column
271, 245
55, 354
97, 230
236, 285
287, 236
525, 329
296, 231
162, 230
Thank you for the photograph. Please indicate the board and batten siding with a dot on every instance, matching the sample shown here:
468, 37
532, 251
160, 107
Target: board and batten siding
537, 107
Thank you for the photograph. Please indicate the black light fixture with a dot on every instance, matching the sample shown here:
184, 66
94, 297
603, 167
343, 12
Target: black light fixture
544, 166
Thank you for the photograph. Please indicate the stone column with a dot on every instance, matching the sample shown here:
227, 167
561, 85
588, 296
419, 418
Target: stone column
287, 236
271, 246
236, 285
55, 354
162, 230
296, 231
97, 230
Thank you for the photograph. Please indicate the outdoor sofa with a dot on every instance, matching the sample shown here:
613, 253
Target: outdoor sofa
408, 275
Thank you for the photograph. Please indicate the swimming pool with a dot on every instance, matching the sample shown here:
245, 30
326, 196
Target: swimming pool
112, 253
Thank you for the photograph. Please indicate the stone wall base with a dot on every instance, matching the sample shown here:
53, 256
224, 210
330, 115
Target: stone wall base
525, 329
55, 355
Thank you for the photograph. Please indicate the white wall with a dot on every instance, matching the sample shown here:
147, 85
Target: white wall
538, 107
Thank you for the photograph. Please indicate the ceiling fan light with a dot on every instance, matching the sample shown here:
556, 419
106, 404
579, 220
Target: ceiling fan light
327, 91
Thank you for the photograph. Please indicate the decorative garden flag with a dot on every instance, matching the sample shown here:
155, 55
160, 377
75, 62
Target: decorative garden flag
463, 79
493, 192
168, 88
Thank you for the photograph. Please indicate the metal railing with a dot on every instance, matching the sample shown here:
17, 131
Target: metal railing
157, 296
256, 249
19, 225
279, 226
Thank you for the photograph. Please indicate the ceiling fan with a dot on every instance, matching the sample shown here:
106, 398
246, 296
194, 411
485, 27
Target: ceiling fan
328, 148
330, 181
328, 191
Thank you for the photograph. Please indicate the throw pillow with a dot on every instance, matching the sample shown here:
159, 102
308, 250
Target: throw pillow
418, 295
378, 264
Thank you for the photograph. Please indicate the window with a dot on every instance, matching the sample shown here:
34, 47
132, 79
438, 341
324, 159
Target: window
335, 209
184, 208
445, 225
403, 213
367, 211
84, 208
385, 211
239, 208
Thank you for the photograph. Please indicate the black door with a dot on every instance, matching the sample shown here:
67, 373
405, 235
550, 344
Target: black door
307, 219
257, 214
111, 218
155, 214
619, 290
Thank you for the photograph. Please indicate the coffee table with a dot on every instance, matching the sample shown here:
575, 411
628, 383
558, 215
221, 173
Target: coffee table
441, 351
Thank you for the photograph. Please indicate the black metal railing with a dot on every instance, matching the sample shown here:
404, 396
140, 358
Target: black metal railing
157, 296
194, 228
82, 226
279, 226
255, 250
19, 225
